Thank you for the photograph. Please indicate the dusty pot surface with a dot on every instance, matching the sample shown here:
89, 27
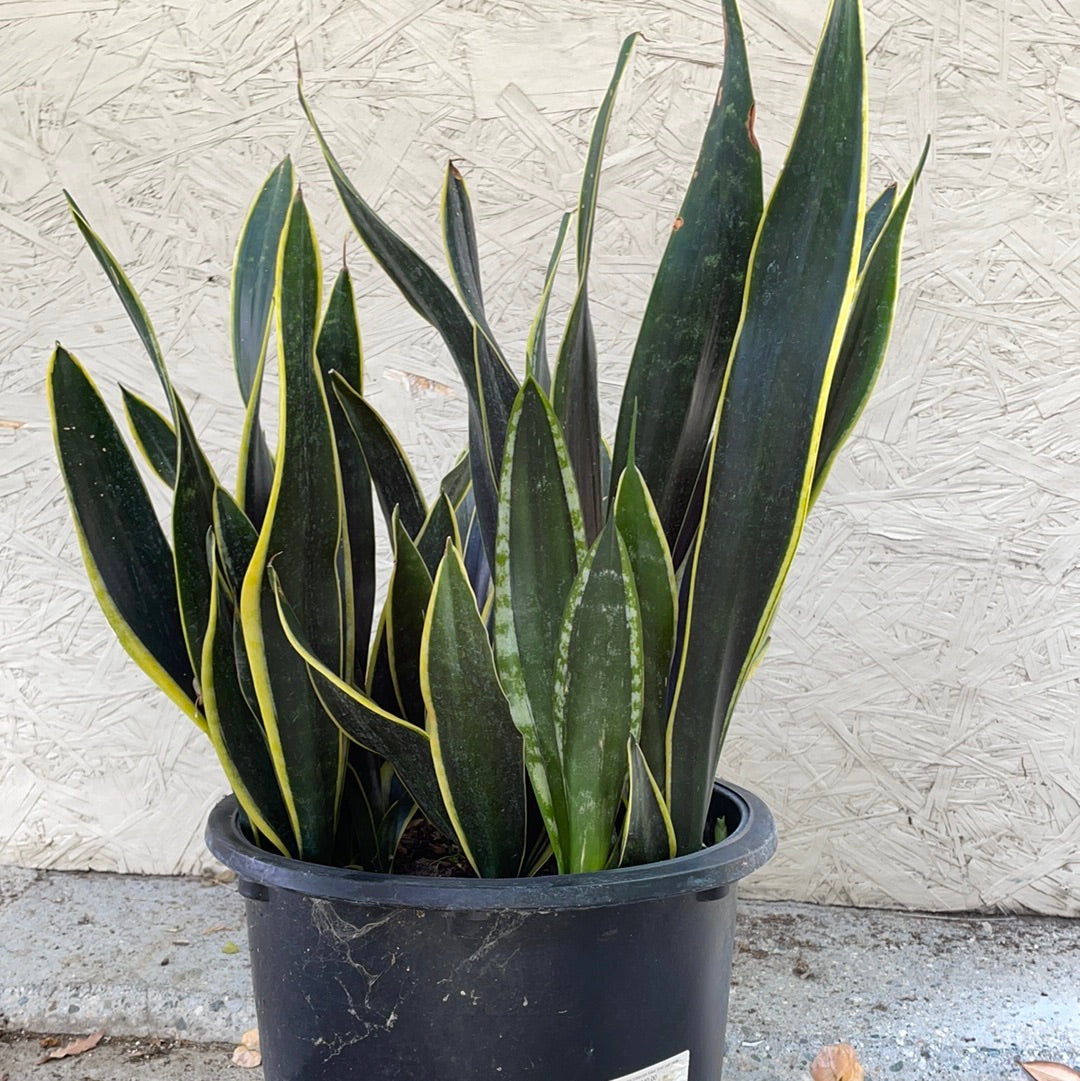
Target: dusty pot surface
613, 976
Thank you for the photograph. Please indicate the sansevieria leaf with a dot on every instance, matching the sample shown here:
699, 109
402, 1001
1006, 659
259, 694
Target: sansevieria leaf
490, 384
541, 541
536, 355
131, 568
339, 350
236, 733
867, 332
407, 600
251, 299
388, 465
153, 434
647, 833
598, 695
689, 323
307, 749
195, 482
654, 577
406, 745
459, 236
476, 749
440, 527
236, 539
765, 440
574, 390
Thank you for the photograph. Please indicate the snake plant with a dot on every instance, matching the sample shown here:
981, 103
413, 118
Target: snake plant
566, 629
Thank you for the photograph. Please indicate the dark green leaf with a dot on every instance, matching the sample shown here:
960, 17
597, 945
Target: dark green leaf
456, 483
574, 393
685, 339
441, 526
647, 834
236, 538
339, 350
131, 569
490, 383
476, 749
307, 748
379, 680
877, 215
252, 298
406, 605
405, 745
153, 434
195, 480
459, 236
395, 483
536, 358
799, 291
866, 335
236, 733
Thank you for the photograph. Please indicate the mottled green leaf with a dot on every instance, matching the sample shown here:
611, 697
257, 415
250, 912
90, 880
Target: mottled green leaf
654, 576
541, 540
476, 749
598, 696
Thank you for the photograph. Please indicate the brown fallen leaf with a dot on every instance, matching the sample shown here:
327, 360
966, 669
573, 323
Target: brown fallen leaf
76, 1047
1049, 1071
247, 1053
836, 1063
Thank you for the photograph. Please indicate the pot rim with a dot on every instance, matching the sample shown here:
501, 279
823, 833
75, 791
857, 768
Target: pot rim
749, 845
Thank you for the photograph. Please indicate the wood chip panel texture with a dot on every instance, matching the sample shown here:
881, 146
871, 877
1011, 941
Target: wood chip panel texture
915, 724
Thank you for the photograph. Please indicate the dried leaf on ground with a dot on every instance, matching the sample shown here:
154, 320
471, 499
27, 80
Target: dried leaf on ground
247, 1053
76, 1047
1049, 1071
837, 1062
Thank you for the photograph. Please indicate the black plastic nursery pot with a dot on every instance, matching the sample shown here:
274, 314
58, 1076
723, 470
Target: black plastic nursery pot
613, 976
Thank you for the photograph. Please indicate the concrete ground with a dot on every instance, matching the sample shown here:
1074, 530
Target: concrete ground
161, 965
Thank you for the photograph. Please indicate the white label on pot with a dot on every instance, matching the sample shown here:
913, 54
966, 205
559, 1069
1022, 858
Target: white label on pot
672, 1069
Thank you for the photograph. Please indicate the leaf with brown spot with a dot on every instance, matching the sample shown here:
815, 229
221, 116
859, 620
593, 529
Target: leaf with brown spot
1049, 1071
76, 1047
247, 1053
837, 1062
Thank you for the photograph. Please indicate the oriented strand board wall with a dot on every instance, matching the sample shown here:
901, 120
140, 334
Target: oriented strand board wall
915, 725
